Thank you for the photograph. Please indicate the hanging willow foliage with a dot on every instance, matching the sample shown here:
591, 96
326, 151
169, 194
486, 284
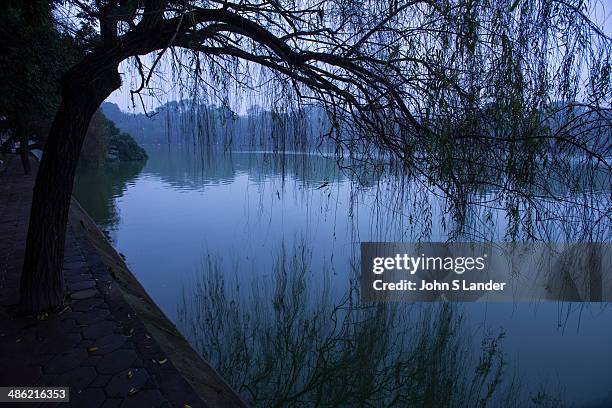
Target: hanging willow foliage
474, 98
471, 97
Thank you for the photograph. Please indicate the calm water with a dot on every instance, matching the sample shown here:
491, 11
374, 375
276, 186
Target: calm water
181, 218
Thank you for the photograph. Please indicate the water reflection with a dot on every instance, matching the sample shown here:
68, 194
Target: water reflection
282, 342
97, 188
239, 210
187, 170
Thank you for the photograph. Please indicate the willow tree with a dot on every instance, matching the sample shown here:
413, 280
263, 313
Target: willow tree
465, 94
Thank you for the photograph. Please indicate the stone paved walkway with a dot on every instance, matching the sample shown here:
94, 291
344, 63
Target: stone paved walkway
97, 345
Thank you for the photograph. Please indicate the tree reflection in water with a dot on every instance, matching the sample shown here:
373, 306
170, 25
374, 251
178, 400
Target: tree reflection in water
288, 342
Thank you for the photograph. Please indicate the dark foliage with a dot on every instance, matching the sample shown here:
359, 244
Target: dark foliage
106, 143
33, 57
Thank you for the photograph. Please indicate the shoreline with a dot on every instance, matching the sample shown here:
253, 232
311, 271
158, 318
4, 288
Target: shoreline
110, 344
203, 378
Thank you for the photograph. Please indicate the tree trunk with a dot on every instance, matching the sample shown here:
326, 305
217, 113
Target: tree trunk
24, 140
83, 89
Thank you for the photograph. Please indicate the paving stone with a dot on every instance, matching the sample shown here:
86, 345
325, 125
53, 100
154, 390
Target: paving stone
86, 304
101, 306
14, 372
127, 381
46, 380
59, 343
41, 359
91, 361
56, 326
85, 343
71, 266
116, 361
66, 361
145, 398
72, 278
110, 343
85, 284
73, 255
88, 398
84, 294
112, 403
101, 380
92, 316
99, 329
77, 379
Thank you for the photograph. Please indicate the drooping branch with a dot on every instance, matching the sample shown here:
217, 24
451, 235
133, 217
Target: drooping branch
459, 93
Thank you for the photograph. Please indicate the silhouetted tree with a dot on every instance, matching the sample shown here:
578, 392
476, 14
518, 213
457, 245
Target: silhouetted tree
410, 80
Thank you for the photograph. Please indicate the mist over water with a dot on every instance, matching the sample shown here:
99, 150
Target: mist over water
252, 219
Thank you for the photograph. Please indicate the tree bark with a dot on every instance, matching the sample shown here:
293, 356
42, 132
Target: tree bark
83, 89
24, 141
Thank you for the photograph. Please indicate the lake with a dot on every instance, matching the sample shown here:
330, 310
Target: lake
254, 256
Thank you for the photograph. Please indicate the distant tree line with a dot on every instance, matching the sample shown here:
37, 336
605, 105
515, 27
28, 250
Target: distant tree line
185, 121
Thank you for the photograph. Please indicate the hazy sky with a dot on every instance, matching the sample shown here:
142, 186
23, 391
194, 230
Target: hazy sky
167, 90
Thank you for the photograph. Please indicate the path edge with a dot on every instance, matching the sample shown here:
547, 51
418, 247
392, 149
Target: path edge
202, 377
